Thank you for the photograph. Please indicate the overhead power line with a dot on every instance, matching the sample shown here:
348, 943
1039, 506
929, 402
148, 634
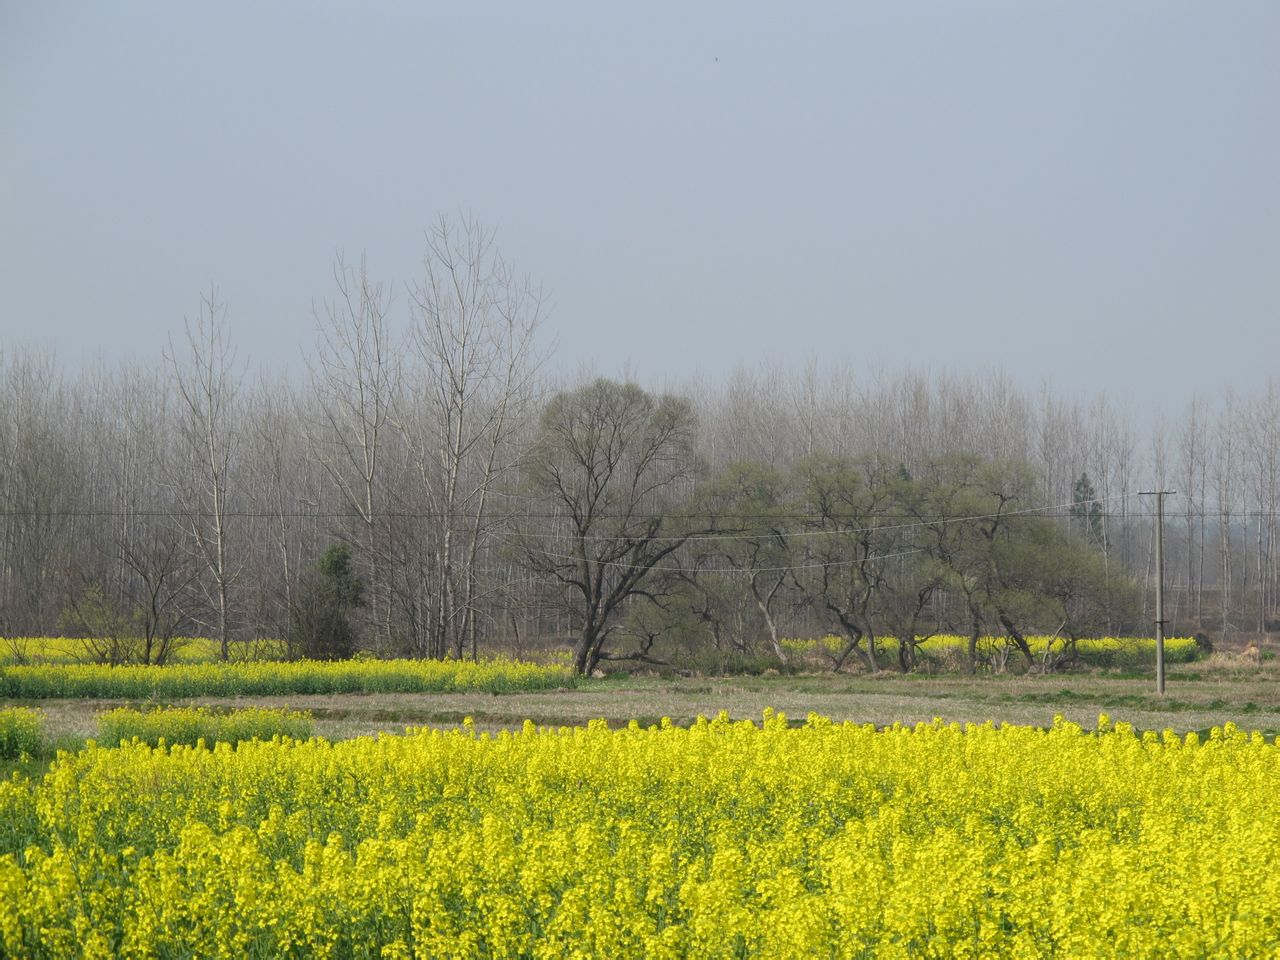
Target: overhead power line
1060, 511
701, 569
911, 519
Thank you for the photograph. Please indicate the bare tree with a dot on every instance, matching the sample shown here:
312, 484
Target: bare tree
357, 376
611, 463
1264, 466
276, 467
40, 486
1226, 469
162, 577
208, 381
474, 331
1192, 442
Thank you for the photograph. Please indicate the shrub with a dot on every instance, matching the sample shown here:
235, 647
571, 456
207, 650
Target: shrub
712, 662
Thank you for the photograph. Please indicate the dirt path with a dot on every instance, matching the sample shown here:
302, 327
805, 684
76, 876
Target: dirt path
1199, 696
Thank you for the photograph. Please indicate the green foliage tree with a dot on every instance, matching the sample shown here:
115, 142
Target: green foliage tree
750, 503
663, 628
862, 564
319, 628
1017, 570
973, 518
837, 571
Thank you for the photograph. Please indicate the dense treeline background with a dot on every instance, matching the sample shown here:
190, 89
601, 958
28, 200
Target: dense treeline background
486, 505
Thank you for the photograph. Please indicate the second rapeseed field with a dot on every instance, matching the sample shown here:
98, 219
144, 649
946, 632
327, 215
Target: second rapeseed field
727, 839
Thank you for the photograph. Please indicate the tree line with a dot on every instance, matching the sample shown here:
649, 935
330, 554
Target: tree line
482, 503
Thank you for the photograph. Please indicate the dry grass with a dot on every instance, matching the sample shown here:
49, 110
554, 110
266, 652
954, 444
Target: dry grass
1198, 696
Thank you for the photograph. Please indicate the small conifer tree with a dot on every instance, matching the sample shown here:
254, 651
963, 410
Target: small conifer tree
1086, 511
318, 625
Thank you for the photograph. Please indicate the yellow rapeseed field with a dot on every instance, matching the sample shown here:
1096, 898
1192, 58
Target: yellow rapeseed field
264, 678
193, 725
728, 839
1098, 651
15, 650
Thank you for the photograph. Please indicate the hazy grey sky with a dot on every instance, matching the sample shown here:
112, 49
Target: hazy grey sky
1062, 189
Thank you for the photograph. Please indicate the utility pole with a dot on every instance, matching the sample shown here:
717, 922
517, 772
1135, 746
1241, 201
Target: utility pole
1159, 495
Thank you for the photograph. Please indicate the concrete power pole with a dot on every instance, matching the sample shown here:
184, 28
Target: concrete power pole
1159, 495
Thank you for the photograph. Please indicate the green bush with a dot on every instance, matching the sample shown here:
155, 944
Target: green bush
190, 725
712, 662
20, 733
